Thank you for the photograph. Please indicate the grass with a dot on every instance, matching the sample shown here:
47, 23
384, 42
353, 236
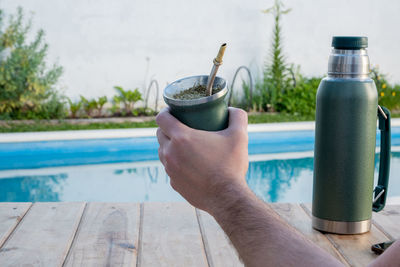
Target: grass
277, 117
64, 126
40, 126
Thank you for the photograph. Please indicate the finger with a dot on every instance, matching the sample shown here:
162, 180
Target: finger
237, 120
161, 137
161, 156
163, 141
169, 124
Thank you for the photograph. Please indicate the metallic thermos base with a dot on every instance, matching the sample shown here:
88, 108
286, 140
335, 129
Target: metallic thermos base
338, 227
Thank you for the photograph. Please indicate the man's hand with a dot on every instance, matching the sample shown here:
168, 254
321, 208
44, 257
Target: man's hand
204, 165
208, 169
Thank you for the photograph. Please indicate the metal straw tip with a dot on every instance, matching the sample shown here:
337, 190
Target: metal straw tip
221, 52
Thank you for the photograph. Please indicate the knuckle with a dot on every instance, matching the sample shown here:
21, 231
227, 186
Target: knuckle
171, 162
180, 139
158, 134
166, 157
160, 116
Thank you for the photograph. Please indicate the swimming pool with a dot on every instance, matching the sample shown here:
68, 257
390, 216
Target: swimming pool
127, 169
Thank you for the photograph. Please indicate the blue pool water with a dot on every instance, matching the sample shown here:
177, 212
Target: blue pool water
128, 169
79, 152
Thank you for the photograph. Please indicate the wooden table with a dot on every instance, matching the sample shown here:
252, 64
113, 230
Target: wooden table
153, 234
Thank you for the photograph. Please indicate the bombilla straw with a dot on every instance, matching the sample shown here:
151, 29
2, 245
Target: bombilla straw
217, 62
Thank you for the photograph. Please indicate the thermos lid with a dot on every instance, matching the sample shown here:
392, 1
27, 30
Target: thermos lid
350, 42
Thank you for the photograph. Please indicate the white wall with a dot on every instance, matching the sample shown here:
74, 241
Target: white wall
102, 43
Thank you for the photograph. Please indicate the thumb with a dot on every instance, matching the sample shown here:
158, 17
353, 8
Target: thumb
237, 120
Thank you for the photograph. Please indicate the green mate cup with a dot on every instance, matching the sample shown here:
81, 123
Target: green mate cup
345, 134
208, 113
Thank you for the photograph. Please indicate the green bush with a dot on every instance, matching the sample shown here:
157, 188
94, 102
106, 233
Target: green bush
89, 106
388, 94
101, 101
74, 108
257, 103
127, 98
27, 85
54, 107
301, 99
142, 111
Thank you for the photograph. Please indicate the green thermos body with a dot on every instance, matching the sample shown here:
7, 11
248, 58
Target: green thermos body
345, 134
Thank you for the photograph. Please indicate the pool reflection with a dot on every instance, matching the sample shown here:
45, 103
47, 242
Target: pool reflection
32, 188
278, 180
271, 179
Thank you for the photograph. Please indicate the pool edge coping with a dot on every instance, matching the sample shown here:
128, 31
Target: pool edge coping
145, 132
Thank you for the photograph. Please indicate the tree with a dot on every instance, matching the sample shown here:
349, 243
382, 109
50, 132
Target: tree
276, 78
27, 85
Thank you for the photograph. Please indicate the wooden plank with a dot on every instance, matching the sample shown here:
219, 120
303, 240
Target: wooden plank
10, 215
107, 236
44, 235
356, 249
219, 249
388, 221
170, 236
296, 216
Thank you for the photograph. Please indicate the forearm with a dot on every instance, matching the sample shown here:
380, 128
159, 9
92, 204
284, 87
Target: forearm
261, 237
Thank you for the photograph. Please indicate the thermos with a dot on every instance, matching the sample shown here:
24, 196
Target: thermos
345, 133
